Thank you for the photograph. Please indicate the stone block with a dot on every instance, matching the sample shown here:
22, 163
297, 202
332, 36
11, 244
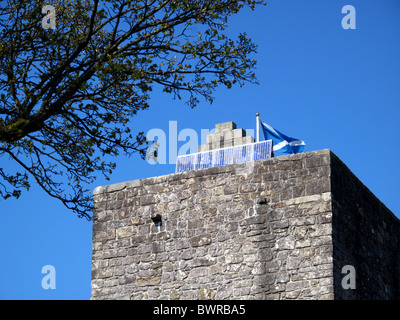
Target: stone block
243, 140
200, 240
239, 133
249, 139
212, 138
124, 232
204, 147
230, 125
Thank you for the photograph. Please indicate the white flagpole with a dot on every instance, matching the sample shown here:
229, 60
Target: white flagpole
257, 127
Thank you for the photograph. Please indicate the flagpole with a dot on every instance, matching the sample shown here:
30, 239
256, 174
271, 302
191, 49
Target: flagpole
257, 127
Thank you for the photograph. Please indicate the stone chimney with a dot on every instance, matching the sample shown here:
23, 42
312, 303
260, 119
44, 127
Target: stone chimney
226, 135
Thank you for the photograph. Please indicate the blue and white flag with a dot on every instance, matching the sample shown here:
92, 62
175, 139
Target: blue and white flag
281, 142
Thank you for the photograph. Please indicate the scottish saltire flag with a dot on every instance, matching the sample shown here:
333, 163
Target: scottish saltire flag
281, 142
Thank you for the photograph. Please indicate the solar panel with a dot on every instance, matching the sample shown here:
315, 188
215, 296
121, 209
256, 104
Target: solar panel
225, 156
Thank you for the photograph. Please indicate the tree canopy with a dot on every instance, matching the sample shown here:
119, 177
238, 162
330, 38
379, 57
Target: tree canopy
67, 93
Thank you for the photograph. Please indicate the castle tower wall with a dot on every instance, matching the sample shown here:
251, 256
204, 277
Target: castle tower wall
366, 235
281, 228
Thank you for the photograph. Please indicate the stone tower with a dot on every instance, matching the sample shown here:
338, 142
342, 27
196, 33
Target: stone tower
226, 135
293, 227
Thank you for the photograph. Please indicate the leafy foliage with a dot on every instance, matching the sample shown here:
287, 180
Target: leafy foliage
67, 94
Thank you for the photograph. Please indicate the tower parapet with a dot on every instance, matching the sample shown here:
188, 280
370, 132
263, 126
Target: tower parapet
290, 228
226, 135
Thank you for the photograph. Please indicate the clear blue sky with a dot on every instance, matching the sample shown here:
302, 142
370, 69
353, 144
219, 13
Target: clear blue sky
332, 88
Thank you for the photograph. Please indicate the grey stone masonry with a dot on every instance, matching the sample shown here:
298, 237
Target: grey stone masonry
226, 135
282, 228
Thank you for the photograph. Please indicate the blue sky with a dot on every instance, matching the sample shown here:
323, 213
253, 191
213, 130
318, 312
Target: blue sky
331, 87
